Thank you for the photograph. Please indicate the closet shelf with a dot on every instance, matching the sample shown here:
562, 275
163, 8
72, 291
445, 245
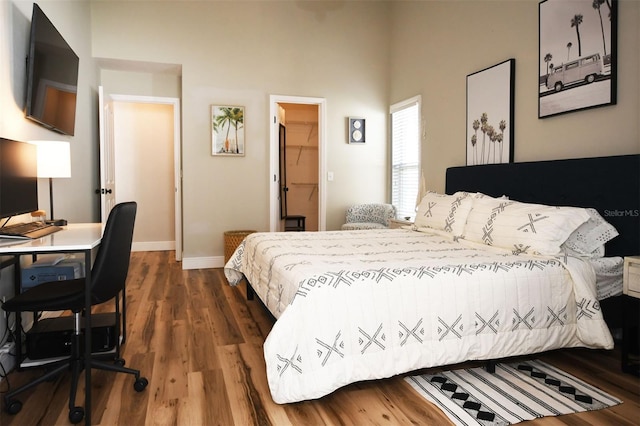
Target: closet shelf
301, 123
311, 124
302, 146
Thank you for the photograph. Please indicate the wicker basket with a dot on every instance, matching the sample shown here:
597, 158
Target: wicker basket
232, 240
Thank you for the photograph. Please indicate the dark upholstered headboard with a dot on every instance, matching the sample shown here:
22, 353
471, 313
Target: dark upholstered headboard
611, 185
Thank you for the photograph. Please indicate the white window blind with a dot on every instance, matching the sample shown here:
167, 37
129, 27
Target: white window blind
405, 155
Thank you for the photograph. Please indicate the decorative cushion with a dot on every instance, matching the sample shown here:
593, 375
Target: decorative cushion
590, 237
369, 216
444, 212
522, 227
362, 225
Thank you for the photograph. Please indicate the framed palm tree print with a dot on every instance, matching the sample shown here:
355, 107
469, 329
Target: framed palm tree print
577, 55
490, 99
227, 130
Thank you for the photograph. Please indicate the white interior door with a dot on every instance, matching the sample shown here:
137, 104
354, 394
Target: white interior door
107, 188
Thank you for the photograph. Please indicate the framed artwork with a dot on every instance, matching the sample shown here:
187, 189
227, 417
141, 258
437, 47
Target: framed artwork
490, 99
227, 131
357, 127
577, 55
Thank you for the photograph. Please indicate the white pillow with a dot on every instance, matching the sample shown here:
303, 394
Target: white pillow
522, 227
444, 212
590, 237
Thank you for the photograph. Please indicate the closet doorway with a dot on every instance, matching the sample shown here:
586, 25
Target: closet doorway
298, 160
297, 147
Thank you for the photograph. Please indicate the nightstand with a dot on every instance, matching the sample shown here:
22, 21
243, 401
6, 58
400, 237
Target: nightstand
399, 223
631, 322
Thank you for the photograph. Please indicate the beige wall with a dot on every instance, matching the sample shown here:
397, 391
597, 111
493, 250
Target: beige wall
436, 44
239, 53
158, 81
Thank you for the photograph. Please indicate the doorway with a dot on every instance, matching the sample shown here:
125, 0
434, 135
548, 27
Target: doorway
297, 162
298, 159
145, 133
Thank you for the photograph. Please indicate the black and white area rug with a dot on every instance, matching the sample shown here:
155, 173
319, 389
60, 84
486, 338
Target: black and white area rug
514, 393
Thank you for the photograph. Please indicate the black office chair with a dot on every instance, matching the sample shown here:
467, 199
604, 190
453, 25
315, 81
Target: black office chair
108, 276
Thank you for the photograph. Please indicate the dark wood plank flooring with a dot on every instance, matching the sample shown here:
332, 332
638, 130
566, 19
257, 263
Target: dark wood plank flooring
199, 342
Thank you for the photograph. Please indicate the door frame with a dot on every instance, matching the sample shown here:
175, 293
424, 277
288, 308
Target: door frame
177, 157
274, 176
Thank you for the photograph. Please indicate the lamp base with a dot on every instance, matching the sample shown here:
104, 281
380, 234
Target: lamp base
56, 222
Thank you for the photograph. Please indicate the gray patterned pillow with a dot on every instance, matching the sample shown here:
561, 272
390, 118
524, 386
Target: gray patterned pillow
590, 237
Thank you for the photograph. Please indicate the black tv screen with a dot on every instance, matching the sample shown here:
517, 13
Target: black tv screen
52, 76
18, 178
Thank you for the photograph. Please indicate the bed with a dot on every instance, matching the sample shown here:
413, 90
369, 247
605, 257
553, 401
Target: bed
364, 305
611, 185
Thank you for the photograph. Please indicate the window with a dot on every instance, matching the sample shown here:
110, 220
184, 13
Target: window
405, 155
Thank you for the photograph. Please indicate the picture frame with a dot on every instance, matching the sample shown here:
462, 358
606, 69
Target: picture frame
490, 114
227, 131
577, 56
356, 130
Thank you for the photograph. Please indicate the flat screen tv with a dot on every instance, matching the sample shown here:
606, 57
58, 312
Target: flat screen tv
52, 76
18, 178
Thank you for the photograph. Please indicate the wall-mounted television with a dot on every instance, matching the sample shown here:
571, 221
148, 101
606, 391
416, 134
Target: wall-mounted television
18, 178
52, 76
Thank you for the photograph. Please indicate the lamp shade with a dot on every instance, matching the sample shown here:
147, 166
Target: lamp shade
54, 159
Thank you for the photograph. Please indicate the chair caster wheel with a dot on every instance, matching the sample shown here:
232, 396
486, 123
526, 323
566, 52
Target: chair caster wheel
76, 414
140, 384
119, 362
14, 407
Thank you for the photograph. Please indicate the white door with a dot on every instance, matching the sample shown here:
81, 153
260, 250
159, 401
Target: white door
107, 188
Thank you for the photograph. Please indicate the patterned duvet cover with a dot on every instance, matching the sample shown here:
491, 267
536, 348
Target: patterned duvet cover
363, 305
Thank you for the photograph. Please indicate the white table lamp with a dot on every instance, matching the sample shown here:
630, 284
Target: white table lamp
54, 161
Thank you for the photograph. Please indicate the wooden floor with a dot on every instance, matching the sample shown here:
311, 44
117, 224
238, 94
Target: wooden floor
199, 342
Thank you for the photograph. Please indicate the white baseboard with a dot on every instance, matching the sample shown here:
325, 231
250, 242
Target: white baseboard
202, 262
187, 262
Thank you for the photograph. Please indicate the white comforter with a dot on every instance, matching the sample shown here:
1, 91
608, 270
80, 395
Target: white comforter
362, 305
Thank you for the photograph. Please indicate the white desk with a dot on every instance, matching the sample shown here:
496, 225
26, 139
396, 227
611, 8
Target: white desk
73, 238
